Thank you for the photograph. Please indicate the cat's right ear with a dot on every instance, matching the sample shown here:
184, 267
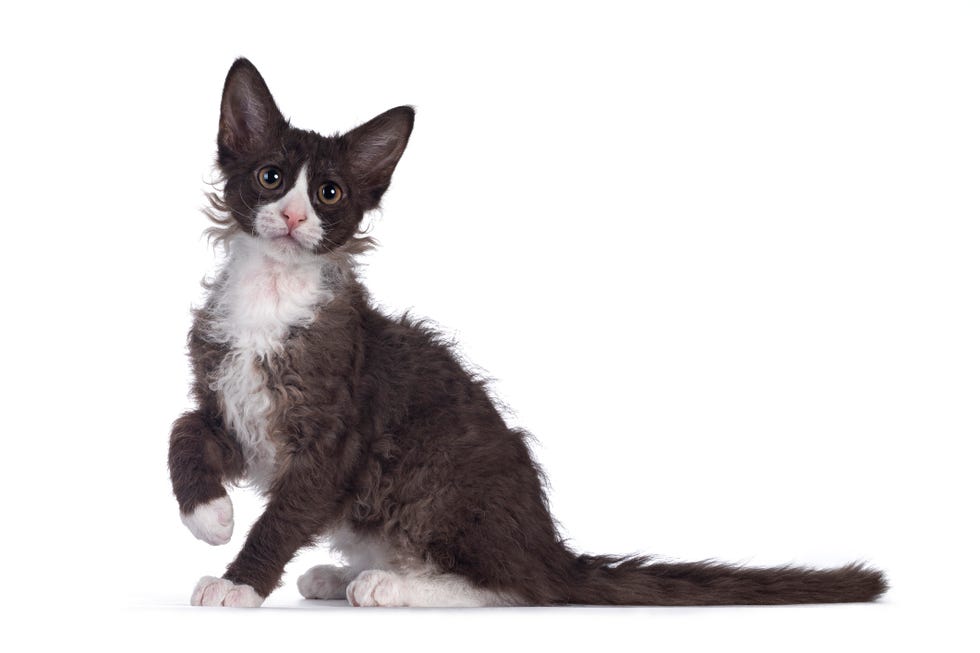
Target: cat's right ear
249, 115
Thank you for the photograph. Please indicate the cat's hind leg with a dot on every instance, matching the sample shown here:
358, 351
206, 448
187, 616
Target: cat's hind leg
359, 551
326, 582
379, 588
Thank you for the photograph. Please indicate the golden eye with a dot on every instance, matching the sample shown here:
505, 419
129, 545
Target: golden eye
270, 177
329, 193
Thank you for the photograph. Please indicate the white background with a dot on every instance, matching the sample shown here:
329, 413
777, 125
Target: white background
721, 259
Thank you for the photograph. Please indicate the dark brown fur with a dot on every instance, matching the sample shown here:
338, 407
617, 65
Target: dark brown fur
379, 427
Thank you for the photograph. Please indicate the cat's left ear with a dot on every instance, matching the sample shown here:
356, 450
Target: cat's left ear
375, 147
249, 115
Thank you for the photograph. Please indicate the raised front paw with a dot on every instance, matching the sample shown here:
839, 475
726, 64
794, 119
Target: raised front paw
212, 522
376, 588
211, 591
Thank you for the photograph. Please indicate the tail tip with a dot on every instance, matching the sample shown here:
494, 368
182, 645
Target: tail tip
868, 583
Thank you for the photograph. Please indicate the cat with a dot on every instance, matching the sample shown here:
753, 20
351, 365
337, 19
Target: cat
366, 430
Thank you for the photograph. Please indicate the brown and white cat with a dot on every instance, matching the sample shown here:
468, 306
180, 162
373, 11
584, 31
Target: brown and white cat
365, 429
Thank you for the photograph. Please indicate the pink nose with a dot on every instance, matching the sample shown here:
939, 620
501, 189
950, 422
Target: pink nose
293, 217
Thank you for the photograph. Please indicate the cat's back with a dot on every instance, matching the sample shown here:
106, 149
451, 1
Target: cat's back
412, 369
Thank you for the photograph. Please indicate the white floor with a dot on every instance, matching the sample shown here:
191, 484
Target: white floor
333, 625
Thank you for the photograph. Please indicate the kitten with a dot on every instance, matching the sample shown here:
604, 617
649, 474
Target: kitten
365, 429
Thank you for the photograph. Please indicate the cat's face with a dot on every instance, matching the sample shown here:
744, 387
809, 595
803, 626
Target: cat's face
300, 193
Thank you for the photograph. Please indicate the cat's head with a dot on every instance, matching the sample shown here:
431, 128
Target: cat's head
295, 191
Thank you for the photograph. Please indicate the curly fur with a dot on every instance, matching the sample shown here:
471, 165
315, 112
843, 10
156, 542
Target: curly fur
370, 430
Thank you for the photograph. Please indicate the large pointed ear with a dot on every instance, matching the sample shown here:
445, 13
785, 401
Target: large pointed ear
375, 147
249, 116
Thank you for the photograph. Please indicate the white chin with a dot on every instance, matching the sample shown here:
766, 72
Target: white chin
284, 247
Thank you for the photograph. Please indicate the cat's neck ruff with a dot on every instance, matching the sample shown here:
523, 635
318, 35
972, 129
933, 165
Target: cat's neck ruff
264, 290
259, 296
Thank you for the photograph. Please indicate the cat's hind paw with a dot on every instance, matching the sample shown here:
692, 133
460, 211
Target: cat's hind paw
211, 591
212, 522
324, 582
376, 588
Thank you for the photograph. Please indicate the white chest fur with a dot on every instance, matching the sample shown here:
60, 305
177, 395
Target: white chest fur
255, 302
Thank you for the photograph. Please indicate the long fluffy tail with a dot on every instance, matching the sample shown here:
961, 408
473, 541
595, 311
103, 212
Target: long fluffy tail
605, 580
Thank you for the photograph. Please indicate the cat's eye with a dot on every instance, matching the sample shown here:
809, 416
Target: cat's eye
329, 193
270, 177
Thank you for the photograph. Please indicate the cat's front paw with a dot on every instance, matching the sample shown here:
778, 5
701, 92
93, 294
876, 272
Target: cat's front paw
211, 591
212, 522
376, 588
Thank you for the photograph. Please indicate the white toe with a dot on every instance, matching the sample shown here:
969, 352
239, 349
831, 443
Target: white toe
375, 588
211, 591
212, 522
